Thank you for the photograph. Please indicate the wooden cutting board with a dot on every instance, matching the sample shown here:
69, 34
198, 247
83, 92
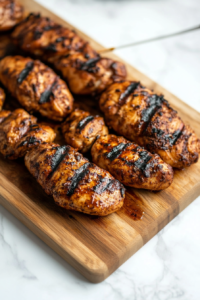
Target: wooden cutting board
97, 246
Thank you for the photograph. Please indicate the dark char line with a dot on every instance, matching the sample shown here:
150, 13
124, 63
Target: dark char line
24, 73
175, 136
130, 89
101, 187
78, 176
86, 66
116, 151
57, 158
141, 163
155, 102
81, 125
45, 96
171, 138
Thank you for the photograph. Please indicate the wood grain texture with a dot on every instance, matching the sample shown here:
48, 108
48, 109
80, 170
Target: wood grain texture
98, 246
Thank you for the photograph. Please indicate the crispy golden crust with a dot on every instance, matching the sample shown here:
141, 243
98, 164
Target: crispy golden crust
36, 87
19, 133
11, 13
89, 75
2, 98
47, 39
73, 181
131, 164
146, 118
81, 129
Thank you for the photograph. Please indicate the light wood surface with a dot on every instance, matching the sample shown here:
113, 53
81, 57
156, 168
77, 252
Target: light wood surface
96, 247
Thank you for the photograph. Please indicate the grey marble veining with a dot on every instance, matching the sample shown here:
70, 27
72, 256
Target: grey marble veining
168, 266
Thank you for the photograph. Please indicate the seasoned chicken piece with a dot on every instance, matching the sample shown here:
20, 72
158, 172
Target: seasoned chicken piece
47, 39
19, 133
89, 75
131, 164
11, 13
146, 118
36, 87
81, 129
2, 98
73, 181
85, 71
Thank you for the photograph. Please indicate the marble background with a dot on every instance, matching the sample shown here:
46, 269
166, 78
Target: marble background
167, 267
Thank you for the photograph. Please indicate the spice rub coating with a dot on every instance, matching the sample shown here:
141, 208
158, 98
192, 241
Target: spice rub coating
19, 133
89, 75
44, 38
74, 182
131, 164
81, 129
11, 13
36, 87
146, 118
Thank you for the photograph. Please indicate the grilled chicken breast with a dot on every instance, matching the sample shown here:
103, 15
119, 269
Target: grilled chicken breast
146, 118
11, 13
2, 98
47, 39
81, 129
36, 87
86, 75
19, 133
131, 164
73, 181
85, 71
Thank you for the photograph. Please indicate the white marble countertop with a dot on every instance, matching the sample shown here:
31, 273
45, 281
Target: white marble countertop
167, 267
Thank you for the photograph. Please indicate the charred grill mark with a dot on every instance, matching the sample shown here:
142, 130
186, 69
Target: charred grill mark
130, 89
107, 184
57, 158
51, 47
45, 96
31, 141
24, 73
37, 34
174, 137
90, 64
81, 125
78, 176
142, 162
155, 102
158, 132
116, 151
103, 185
171, 138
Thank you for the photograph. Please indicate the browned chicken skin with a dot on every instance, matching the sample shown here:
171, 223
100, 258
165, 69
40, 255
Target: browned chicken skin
81, 66
36, 87
2, 98
131, 164
73, 181
146, 118
47, 39
19, 133
81, 129
11, 13
89, 75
